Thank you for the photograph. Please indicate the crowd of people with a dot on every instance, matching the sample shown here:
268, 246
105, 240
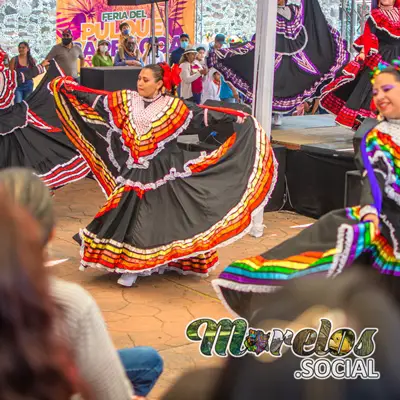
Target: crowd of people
168, 208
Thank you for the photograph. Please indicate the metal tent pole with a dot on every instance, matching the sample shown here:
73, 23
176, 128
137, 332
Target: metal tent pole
153, 33
166, 32
264, 65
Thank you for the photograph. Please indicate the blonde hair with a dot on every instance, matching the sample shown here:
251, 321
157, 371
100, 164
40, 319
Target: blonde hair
24, 188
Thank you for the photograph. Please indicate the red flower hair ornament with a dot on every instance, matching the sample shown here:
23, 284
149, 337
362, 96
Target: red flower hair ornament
171, 76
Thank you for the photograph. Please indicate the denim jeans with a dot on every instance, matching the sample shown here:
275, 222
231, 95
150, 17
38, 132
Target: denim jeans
23, 91
231, 100
143, 366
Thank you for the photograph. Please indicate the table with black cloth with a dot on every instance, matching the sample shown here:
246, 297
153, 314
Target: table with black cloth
110, 78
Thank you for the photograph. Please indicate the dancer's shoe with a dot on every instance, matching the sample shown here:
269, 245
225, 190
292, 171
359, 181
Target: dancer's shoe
127, 279
277, 119
257, 231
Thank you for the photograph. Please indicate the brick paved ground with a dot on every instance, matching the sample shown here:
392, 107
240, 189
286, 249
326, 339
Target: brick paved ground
157, 309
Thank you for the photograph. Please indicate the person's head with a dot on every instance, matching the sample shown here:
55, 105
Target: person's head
34, 363
188, 56
281, 3
384, 4
130, 43
151, 81
103, 47
217, 76
26, 190
66, 37
184, 40
25, 51
156, 44
125, 29
219, 41
23, 48
386, 92
201, 53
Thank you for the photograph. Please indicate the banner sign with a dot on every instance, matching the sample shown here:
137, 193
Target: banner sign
92, 20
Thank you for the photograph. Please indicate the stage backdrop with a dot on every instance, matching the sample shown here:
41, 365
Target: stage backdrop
93, 20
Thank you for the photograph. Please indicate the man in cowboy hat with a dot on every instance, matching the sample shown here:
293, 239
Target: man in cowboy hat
66, 54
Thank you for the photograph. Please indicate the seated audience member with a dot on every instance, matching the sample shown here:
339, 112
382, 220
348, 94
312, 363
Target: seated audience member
125, 32
23, 62
35, 362
354, 299
177, 54
109, 375
211, 86
128, 54
102, 58
190, 72
67, 54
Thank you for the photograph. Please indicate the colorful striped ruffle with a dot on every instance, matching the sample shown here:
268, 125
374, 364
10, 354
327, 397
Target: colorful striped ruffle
261, 275
112, 255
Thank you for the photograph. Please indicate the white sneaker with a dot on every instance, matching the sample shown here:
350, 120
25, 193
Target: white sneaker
277, 119
82, 268
127, 279
257, 231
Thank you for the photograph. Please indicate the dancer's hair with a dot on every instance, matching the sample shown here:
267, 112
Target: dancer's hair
158, 73
34, 362
27, 190
391, 70
31, 61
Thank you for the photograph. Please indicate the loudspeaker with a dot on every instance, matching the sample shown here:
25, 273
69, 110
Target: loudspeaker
132, 2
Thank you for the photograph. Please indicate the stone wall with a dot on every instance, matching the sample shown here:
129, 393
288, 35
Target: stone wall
238, 17
33, 21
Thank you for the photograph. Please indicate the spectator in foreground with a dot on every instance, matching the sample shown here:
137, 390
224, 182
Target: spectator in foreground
177, 54
96, 359
67, 54
35, 362
21, 63
128, 54
102, 58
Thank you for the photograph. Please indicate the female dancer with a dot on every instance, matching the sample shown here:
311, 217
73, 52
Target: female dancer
308, 50
166, 207
349, 96
30, 132
339, 238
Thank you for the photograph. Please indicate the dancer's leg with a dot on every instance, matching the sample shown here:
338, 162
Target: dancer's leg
258, 225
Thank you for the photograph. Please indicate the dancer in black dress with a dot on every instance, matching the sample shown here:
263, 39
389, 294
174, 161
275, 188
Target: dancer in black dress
337, 240
30, 131
166, 208
349, 97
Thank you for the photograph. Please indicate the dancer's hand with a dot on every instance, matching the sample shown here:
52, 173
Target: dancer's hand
45, 63
374, 219
361, 57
